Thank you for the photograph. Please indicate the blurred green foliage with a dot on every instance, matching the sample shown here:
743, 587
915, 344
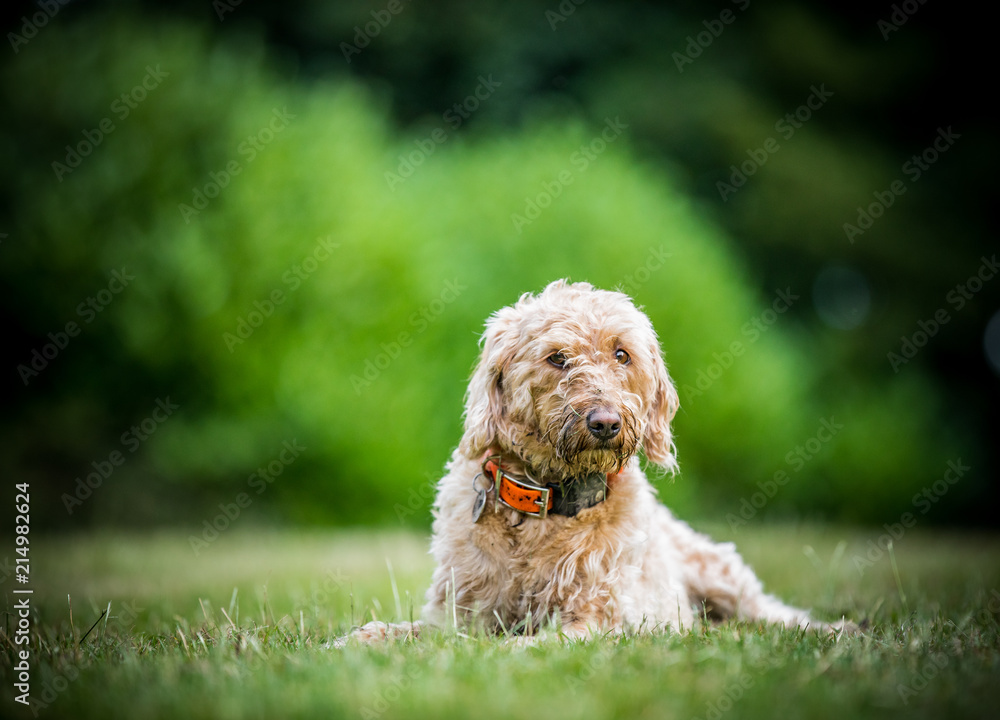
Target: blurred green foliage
308, 300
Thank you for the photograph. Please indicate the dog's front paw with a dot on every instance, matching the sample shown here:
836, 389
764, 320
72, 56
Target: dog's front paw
843, 628
377, 631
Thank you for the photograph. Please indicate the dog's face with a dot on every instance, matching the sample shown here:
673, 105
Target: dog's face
572, 382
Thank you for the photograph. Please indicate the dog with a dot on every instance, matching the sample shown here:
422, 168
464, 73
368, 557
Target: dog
544, 517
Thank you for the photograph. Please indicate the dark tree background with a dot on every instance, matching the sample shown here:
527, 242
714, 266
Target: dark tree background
760, 131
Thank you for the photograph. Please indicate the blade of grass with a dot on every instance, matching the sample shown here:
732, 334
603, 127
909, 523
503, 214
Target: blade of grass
395, 590
92, 627
899, 583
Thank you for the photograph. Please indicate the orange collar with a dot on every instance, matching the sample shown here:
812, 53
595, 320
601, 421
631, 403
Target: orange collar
528, 497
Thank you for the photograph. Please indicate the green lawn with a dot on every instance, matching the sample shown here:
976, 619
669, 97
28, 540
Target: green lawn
238, 631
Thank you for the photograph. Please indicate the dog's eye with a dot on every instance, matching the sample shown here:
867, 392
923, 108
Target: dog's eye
557, 359
622, 357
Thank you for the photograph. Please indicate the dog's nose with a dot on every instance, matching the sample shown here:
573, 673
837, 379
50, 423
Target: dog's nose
604, 423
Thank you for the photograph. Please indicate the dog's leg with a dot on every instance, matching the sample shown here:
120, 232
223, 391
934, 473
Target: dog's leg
376, 632
718, 576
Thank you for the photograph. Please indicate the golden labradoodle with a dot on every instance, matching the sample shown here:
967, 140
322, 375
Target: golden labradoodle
545, 514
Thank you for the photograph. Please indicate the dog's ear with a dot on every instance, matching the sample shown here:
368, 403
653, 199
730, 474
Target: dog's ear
657, 441
484, 411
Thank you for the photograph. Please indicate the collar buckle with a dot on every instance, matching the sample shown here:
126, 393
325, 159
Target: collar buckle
521, 494
518, 495
543, 503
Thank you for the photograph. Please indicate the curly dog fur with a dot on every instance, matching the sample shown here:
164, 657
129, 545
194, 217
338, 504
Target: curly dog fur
572, 382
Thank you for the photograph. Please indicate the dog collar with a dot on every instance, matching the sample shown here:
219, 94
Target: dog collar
529, 498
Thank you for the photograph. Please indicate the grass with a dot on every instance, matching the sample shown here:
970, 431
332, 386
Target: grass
238, 632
